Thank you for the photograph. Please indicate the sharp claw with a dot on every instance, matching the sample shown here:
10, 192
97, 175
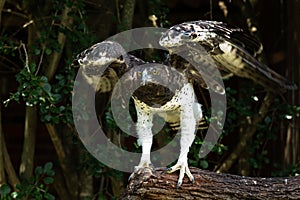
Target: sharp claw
131, 176
169, 169
137, 169
178, 184
183, 167
151, 166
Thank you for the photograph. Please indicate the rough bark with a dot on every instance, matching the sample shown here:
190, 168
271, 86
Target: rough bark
66, 22
27, 158
85, 177
60, 185
209, 185
127, 15
86, 185
9, 168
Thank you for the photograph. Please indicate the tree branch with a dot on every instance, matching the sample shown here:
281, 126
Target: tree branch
9, 168
5, 161
66, 22
60, 185
69, 173
27, 158
209, 185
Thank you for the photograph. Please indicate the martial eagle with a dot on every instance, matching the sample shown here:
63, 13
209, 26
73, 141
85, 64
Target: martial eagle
230, 49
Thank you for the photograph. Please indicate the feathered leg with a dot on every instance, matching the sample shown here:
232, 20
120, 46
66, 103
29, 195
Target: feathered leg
145, 137
189, 111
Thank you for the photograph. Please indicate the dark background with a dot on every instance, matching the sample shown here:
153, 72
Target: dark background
277, 27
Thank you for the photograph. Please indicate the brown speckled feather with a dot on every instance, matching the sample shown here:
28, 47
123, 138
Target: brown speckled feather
231, 48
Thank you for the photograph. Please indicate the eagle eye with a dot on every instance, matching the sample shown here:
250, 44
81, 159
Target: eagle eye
155, 72
139, 73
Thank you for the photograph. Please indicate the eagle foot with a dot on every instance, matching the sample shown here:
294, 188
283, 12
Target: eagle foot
143, 168
184, 169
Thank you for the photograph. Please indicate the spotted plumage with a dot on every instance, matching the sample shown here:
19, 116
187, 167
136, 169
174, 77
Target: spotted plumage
230, 47
169, 90
155, 89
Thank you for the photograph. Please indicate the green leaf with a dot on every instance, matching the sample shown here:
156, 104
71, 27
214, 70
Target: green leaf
14, 195
203, 164
48, 51
44, 79
19, 187
50, 173
62, 108
48, 180
56, 97
49, 196
59, 77
37, 51
47, 88
31, 180
38, 170
5, 190
219, 150
47, 118
32, 67
48, 166
55, 120
268, 119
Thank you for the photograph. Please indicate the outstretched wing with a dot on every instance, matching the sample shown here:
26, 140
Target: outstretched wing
230, 47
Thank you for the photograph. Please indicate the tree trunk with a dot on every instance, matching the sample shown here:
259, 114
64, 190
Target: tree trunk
209, 185
68, 170
66, 22
60, 185
27, 158
127, 15
9, 168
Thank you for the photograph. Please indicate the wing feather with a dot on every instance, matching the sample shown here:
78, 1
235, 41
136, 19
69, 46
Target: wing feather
232, 49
